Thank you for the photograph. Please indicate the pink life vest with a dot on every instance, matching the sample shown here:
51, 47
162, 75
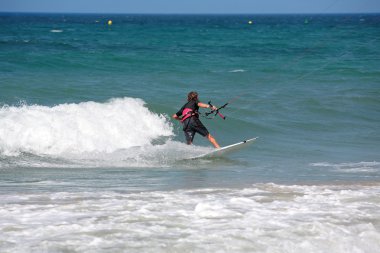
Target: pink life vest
187, 113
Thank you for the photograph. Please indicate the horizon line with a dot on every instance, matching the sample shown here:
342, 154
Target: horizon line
189, 13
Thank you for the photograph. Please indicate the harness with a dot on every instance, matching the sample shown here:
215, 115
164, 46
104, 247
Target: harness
187, 113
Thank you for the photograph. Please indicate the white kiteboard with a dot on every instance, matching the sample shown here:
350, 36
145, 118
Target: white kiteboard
226, 149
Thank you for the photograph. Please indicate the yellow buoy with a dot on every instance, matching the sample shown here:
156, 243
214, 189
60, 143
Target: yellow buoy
109, 22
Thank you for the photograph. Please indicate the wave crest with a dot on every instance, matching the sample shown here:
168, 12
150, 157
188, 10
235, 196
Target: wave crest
85, 127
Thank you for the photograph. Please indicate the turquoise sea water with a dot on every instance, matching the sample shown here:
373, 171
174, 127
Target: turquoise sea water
91, 161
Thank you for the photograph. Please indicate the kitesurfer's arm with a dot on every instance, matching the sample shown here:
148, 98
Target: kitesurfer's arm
175, 116
203, 105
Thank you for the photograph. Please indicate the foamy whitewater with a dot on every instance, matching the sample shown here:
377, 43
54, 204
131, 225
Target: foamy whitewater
262, 218
78, 128
120, 132
91, 160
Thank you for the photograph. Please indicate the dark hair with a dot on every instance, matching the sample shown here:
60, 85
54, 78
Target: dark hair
192, 96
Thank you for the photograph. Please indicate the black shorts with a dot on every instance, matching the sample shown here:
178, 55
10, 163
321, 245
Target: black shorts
193, 125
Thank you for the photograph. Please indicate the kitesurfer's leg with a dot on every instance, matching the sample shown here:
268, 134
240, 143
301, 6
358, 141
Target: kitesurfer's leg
189, 134
213, 141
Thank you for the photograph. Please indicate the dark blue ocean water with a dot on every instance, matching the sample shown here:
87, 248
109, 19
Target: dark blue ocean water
86, 106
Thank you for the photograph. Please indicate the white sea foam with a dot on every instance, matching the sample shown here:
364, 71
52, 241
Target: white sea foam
237, 71
358, 167
139, 156
56, 31
262, 218
119, 133
79, 128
